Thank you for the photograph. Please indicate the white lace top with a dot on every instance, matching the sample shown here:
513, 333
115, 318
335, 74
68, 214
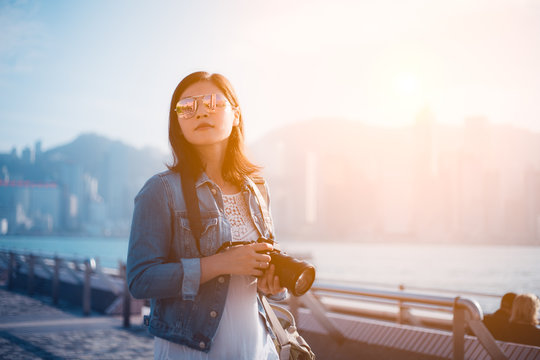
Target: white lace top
237, 212
241, 333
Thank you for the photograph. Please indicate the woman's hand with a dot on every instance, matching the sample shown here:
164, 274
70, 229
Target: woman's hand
269, 283
246, 260
238, 260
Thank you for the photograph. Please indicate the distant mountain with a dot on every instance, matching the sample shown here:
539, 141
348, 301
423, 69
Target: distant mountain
91, 152
120, 169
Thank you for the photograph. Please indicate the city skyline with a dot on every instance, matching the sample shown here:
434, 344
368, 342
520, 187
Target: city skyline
428, 182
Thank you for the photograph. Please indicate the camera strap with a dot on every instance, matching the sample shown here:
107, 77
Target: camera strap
281, 335
290, 345
192, 205
259, 188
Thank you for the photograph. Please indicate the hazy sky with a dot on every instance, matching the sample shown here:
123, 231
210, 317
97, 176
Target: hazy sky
110, 67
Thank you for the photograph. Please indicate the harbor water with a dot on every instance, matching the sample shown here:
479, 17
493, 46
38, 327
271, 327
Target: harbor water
454, 268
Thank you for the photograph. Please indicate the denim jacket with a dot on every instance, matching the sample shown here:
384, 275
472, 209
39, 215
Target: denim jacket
164, 264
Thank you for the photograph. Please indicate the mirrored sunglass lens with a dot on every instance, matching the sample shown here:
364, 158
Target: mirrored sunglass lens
208, 102
211, 102
221, 101
186, 107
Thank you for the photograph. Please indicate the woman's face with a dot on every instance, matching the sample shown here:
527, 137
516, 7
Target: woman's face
207, 128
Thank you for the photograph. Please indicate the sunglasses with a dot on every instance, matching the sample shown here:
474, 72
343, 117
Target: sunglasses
187, 107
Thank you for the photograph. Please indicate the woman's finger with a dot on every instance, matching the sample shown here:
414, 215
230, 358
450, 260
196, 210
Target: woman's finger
262, 284
262, 265
263, 257
257, 273
261, 247
270, 273
270, 277
276, 286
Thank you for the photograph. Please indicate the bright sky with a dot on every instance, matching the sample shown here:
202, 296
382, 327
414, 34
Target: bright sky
110, 67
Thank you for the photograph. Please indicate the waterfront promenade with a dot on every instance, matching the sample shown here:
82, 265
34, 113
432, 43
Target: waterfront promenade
31, 328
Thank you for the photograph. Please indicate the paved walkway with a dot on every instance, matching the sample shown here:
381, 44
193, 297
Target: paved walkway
30, 328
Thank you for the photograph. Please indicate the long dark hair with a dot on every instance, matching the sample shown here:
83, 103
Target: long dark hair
236, 165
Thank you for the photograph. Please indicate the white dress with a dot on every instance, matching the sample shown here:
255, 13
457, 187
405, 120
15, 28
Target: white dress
241, 333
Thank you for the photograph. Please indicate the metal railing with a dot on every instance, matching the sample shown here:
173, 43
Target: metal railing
80, 271
466, 312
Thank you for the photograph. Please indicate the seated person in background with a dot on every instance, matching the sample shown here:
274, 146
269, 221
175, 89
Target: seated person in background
498, 321
522, 328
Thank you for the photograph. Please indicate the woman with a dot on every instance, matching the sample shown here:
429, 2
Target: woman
204, 303
522, 328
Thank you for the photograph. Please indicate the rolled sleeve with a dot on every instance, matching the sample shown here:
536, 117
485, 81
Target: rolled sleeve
192, 278
280, 296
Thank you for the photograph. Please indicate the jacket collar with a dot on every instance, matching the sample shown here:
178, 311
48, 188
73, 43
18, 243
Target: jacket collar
203, 178
248, 184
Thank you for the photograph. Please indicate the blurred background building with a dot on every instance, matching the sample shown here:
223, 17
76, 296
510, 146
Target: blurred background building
85, 187
329, 178
335, 179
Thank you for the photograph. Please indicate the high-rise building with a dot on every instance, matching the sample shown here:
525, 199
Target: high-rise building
29, 207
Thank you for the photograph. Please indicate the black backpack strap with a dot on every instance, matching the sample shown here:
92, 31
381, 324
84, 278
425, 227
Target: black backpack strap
192, 206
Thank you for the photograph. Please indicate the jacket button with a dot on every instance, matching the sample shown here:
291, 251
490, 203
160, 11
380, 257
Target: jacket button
221, 279
213, 313
202, 344
214, 191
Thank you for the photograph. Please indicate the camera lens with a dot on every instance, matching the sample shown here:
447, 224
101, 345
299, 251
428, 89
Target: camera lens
304, 281
294, 274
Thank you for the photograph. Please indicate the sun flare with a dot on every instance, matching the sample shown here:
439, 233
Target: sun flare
407, 84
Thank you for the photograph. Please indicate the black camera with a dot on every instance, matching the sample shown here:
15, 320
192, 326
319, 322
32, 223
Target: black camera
294, 274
